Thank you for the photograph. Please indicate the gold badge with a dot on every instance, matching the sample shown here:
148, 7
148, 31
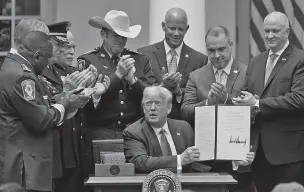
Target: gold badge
161, 180
28, 88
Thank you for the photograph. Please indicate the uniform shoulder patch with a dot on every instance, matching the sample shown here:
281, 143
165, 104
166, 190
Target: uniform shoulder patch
81, 64
25, 68
28, 89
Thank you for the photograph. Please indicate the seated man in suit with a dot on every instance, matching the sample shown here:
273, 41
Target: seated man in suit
171, 59
216, 83
157, 142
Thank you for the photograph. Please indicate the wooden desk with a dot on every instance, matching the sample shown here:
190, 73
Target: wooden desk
211, 182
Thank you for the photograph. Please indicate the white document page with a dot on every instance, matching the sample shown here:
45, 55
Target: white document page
205, 131
233, 132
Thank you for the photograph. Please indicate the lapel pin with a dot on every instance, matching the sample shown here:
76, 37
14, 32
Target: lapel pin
105, 66
186, 55
235, 71
283, 59
102, 56
178, 133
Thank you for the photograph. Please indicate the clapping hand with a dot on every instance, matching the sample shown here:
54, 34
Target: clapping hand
124, 65
170, 81
220, 91
101, 85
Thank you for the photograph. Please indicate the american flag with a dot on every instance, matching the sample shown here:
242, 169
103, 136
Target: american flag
259, 10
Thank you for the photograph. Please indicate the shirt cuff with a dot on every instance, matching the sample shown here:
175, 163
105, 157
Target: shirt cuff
61, 109
234, 166
179, 164
96, 100
257, 103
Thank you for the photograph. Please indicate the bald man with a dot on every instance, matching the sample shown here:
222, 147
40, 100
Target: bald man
275, 89
171, 59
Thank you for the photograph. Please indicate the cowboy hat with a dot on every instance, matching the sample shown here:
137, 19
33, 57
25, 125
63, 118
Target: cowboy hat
117, 21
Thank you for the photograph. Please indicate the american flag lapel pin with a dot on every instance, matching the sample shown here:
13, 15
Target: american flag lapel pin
235, 71
178, 133
186, 55
283, 59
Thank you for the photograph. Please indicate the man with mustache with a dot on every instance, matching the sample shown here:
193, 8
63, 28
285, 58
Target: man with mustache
107, 116
274, 87
171, 59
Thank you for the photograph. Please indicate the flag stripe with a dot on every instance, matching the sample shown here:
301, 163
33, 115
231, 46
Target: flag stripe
298, 13
260, 7
257, 37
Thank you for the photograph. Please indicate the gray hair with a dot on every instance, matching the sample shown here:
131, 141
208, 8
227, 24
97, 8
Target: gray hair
161, 90
28, 24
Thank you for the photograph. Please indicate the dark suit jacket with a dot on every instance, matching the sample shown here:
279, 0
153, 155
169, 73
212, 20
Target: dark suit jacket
66, 151
26, 135
189, 61
281, 103
142, 148
199, 85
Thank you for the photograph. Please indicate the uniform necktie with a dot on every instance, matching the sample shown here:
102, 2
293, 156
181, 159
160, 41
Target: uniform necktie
173, 61
270, 66
115, 59
165, 147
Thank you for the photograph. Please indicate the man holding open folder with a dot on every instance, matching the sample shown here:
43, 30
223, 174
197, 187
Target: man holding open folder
216, 83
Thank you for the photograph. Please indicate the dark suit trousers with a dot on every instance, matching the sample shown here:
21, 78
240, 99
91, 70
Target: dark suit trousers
267, 176
71, 180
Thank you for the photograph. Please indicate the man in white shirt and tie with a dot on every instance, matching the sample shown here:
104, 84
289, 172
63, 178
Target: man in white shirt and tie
157, 142
278, 132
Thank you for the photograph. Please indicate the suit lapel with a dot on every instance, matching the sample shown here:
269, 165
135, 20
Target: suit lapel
148, 130
183, 58
161, 55
177, 138
234, 72
281, 61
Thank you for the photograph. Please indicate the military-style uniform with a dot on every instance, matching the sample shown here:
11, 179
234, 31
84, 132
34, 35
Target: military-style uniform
27, 121
119, 106
67, 159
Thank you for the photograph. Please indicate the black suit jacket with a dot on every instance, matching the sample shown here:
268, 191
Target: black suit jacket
142, 147
281, 103
189, 61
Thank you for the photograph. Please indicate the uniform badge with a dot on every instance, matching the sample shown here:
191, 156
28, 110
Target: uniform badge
25, 68
81, 64
28, 88
62, 78
161, 180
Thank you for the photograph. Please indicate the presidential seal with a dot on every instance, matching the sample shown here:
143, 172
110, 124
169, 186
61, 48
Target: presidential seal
161, 180
114, 170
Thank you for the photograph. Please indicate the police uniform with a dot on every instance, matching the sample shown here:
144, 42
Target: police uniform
119, 106
27, 121
67, 160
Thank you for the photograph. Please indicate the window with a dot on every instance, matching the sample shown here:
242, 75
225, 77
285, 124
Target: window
11, 12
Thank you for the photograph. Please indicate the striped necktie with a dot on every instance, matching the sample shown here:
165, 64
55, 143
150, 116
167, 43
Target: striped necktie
270, 66
173, 61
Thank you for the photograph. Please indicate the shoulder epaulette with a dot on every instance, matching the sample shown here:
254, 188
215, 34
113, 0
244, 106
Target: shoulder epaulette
95, 50
25, 68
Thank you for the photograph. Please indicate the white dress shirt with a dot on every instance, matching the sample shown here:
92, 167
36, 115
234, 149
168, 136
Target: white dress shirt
170, 141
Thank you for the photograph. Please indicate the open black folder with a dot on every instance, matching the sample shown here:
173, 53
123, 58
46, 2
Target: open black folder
222, 132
